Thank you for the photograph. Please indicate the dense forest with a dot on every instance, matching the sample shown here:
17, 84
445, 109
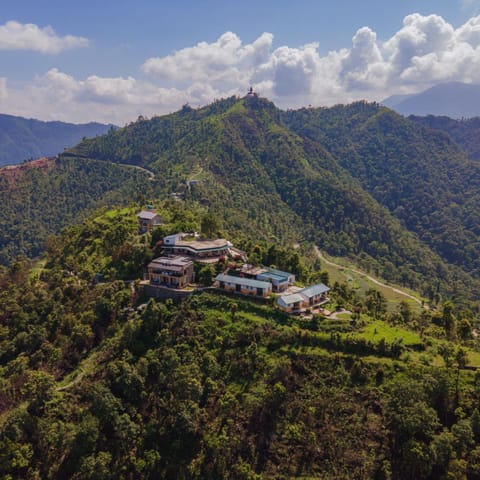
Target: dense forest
98, 382
40, 199
420, 175
465, 132
25, 139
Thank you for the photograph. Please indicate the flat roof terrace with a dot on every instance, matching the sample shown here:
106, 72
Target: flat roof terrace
203, 245
176, 262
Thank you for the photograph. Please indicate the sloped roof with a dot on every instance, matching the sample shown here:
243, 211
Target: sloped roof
274, 276
292, 298
279, 272
203, 245
147, 215
170, 262
242, 281
314, 290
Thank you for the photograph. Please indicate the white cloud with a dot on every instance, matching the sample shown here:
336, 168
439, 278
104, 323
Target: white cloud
223, 63
59, 96
469, 32
28, 36
426, 50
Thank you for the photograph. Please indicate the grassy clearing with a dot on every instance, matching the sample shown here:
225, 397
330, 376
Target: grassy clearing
37, 268
377, 329
473, 358
86, 367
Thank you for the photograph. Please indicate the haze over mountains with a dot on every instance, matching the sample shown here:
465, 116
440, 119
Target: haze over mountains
22, 138
454, 99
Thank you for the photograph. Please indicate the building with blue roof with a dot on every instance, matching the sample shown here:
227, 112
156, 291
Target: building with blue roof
309, 297
279, 280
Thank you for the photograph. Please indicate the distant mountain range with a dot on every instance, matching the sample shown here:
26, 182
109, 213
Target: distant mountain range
22, 139
454, 99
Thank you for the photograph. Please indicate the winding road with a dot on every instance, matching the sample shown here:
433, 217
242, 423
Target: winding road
150, 173
372, 279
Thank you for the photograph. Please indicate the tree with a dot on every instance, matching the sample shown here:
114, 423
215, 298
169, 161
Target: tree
461, 359
95, 467
39, 389
465, 329
475, 419
448, 319
463, 436
405, 311
205, 274
233, 310
446, 351
375, 303
210, 225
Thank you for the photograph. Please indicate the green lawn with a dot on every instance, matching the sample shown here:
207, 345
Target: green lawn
377, 329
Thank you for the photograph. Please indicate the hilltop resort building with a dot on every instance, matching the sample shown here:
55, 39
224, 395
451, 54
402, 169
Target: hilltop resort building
171, 271
203, 251
242, 285
280, 280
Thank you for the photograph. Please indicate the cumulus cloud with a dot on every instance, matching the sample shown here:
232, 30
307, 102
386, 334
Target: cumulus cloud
59, 96
425, 51
28, 36
223, 63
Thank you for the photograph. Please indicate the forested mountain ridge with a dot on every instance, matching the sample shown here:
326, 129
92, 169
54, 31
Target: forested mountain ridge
23, 139
422, 176
262, 166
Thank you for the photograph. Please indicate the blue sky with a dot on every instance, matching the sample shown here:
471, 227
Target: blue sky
114, 60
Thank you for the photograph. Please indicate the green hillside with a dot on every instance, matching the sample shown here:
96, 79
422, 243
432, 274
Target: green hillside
98, 382
465, 131
420, 175
359, 181
40, 199
260, 176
